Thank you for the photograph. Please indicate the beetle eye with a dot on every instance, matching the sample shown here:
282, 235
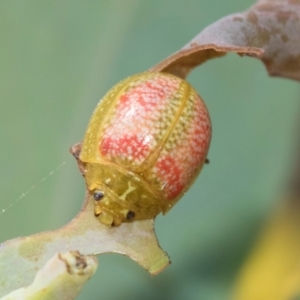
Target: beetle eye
98, 195
130, 215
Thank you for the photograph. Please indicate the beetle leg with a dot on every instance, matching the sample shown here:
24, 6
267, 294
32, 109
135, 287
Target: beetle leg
117, 221
97, 210
75, 151
107, 219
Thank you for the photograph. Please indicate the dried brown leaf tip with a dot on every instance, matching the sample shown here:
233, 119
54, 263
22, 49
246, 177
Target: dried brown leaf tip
269, 30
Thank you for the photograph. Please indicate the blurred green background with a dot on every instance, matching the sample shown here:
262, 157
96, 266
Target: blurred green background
58, 58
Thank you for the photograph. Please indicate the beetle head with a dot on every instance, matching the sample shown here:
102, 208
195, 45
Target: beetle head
110, 212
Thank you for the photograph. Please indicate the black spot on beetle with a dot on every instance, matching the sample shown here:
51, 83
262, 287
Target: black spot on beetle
130, 215
98, 195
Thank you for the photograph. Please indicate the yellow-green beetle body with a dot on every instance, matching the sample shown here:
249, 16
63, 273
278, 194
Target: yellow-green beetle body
145, 144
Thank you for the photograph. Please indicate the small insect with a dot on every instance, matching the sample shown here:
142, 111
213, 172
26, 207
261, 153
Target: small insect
145, 144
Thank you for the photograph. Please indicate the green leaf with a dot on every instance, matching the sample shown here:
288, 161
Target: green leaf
20, 258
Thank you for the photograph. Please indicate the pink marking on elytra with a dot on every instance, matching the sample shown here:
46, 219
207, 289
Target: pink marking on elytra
148, 96
170, 173
127, 146
197, 138
137, 119
187, 153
